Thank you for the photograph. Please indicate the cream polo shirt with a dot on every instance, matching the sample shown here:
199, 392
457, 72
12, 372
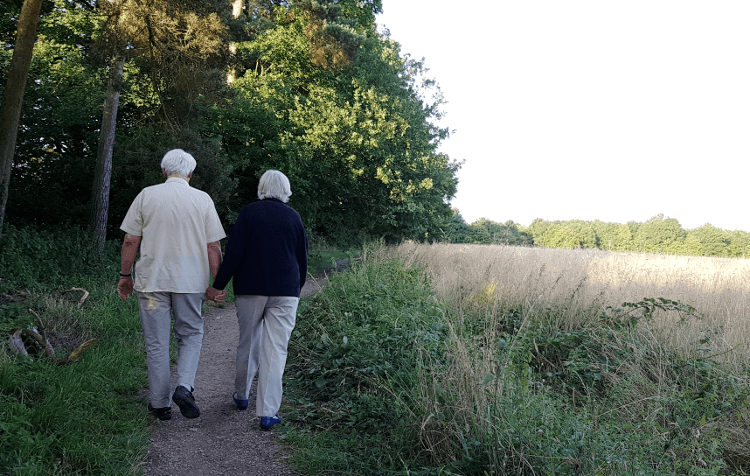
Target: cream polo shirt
176, 222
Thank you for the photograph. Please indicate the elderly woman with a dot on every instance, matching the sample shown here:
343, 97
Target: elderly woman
267, 257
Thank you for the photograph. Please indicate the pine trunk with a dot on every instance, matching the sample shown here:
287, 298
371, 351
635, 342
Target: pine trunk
103, 172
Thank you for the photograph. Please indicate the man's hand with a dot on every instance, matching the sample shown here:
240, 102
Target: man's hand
213, 294
130, 247
125, 287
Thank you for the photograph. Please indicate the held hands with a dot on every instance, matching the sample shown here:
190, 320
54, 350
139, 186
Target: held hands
213, 294
125, 287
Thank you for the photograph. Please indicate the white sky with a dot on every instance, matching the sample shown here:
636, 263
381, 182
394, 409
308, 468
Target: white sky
590, 109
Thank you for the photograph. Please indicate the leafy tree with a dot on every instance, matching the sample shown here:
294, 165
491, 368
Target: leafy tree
179, 51
739, 241
562, 235
713, 241
339, 111
60, 121
691, 246
456, 230
537, 229
660, 235
588, 237
613, 236
318, 94
488, 231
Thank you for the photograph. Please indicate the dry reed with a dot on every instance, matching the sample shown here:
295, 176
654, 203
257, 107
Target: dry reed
580, 284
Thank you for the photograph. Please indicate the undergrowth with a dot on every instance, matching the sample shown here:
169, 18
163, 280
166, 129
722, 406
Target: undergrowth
384, 377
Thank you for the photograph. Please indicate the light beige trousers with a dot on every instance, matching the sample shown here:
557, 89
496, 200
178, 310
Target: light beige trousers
266, 323
156, 311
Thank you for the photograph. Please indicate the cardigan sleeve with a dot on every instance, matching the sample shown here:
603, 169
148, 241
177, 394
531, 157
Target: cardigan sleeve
302, 256
234, 256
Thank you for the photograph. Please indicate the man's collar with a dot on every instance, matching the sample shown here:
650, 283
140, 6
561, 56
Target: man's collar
177, 179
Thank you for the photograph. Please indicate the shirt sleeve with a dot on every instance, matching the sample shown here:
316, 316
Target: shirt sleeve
133, 221
214, 230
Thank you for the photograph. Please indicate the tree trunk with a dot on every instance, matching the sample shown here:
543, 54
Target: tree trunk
103, 172
10, 112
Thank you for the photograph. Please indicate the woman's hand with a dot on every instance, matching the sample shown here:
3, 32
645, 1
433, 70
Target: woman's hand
213, 294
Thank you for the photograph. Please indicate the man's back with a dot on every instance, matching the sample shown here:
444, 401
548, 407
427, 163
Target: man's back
175, 221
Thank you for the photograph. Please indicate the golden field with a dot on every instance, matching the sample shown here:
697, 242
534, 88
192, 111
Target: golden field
580, 283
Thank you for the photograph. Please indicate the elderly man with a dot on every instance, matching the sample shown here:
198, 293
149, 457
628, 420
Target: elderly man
178, 231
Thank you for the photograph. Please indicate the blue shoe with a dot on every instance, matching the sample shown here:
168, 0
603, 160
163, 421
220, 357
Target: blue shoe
241, 404
267, 422
184, 399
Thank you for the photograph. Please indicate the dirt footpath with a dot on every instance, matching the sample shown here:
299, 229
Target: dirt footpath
223, 440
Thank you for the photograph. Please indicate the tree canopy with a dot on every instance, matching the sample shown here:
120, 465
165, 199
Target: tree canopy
306, 87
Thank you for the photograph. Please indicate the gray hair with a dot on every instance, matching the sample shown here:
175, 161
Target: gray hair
274, 184
178, 162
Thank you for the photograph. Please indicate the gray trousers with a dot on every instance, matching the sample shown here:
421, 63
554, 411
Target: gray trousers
156, 311
266, 323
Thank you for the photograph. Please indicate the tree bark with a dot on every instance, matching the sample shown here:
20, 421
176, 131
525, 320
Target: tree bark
103, 172
10, 112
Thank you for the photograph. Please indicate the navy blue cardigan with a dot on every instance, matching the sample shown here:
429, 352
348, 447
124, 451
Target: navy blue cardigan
267, 251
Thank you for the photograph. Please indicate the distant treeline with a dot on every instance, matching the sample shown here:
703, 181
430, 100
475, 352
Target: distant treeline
659, 234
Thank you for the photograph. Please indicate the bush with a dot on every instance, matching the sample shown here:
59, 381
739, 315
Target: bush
355, 363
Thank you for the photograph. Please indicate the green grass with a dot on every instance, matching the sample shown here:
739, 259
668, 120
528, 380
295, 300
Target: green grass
82, 418
359, 350
322, 257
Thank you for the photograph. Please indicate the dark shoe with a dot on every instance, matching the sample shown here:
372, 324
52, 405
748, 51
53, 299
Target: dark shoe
161, 413
267, 422
184, 399
241, 404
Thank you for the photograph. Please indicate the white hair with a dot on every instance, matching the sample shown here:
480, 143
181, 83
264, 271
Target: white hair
178, 162
274, 184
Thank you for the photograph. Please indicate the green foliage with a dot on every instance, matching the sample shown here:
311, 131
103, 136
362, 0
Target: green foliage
712, 241
354, 363
31, 259
356, 145
613, 236
317, 94
486, 231
601, 402
57, 140
659, 235
456, 230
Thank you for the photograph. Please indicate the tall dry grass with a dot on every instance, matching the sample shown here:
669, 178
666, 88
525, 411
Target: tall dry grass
580, 284
563, 291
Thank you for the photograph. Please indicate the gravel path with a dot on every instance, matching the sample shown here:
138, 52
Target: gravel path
223, 440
